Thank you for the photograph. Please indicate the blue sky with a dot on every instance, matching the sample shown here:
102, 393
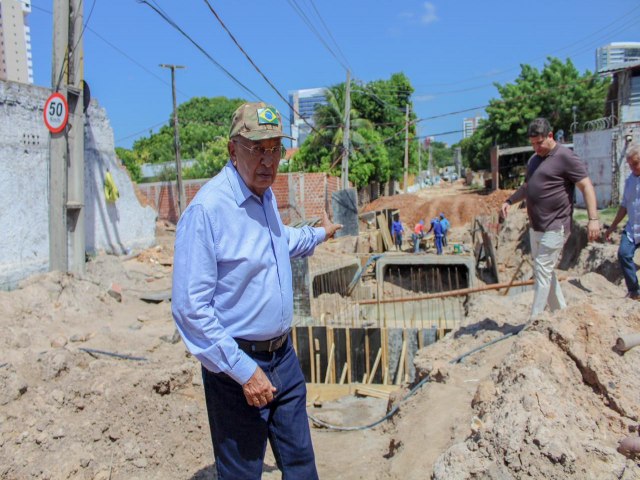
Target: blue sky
451, 51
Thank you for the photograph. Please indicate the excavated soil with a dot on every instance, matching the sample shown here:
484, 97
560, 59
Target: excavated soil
550, 402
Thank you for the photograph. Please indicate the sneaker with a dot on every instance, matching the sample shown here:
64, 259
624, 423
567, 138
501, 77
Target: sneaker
633, 295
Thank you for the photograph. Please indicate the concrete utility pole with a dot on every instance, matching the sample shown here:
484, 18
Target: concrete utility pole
66, 149
176, 139
345, 135
406, 149
419, 157
431, 175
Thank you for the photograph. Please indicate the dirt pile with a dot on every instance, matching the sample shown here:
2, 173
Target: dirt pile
550, 403
459, 204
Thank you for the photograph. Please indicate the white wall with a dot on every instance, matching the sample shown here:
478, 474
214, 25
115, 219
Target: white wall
24, 187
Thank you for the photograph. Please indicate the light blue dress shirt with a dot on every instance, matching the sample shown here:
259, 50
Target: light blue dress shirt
232, 272
631, 201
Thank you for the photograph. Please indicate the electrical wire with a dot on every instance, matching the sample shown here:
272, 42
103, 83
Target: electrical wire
296, 8
273, 87
344, 57
167, 19
65, 60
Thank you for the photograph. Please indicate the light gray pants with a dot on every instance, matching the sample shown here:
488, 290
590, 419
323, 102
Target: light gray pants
546, 248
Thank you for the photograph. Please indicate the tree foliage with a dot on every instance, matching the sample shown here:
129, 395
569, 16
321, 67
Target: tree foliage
551, 93
376, 133
204, 126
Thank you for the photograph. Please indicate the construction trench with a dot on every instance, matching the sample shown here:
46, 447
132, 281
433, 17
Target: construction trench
360, 319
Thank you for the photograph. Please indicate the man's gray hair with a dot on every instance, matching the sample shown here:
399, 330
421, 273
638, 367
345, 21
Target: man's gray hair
539, 127
633, 152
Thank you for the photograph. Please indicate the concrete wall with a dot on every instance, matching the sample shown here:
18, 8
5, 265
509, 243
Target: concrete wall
604, 152
24, 187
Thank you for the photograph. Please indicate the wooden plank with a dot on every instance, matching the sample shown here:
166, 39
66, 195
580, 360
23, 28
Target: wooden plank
343, 376
312, 360
294, 337
316, 348
375, 365
400, 371
367, 363
330, 362
371, 392
348, 344
358, 359
385, 358
384, 230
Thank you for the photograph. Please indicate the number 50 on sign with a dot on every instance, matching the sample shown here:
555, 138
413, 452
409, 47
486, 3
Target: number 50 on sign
56, 113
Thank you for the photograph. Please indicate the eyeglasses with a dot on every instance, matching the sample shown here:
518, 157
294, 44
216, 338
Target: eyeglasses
257, 152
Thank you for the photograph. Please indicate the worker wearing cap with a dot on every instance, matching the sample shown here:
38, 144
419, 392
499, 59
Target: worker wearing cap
232, 302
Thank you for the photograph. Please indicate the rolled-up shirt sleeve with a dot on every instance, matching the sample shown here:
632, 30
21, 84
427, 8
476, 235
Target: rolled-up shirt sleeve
195, 276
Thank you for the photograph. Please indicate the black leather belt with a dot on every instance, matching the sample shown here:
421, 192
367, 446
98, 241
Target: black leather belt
256, 346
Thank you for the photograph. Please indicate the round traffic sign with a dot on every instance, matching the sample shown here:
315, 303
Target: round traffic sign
56, 112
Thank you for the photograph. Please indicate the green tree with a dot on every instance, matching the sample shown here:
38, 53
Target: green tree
128, 159
550, 93
204, 125
377, 134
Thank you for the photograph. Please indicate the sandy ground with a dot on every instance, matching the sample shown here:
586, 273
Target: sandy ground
66, 412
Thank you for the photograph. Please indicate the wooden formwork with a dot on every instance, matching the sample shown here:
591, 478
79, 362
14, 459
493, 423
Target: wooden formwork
344, 355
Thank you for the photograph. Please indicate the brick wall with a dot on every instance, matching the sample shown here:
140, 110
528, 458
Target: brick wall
299, 195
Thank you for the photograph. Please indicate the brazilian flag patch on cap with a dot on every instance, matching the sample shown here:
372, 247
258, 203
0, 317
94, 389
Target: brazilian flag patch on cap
268, 116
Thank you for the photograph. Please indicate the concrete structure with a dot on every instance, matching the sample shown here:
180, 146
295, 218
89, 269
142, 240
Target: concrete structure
15, 41
616, 54
469, 125
304, 102
24, 181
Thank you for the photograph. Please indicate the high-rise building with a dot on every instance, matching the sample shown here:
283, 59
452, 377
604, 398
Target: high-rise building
15, 41
615, 54
304, 104
469, 125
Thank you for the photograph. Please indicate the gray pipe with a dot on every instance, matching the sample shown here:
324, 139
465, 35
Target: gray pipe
630, 446
627, 342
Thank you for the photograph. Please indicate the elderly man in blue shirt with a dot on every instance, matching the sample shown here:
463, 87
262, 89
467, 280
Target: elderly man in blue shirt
233, 304
630, 238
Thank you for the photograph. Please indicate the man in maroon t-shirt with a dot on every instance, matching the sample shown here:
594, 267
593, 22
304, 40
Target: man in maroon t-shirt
553, 172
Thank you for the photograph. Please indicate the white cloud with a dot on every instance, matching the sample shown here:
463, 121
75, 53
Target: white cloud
429, 14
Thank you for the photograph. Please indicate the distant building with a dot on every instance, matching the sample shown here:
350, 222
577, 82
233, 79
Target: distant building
616, 54
469, 125
304, 103
15, 41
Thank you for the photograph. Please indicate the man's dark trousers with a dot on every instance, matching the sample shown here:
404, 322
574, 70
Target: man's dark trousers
239, 431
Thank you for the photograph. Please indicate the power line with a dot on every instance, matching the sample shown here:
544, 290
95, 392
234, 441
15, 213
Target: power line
298, 10
167, 19
120, 51
313, 4
273, 87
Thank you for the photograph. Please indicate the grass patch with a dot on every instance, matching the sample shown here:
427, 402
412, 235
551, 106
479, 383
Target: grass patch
606, 215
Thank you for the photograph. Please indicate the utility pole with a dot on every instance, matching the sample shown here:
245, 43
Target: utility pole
345, 135
66, 149
419, 157
176, 138
406, 149
431, 175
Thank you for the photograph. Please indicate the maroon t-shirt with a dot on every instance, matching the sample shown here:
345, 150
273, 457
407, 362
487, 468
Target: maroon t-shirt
550, 187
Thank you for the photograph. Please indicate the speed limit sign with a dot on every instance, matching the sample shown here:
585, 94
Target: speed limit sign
56, 112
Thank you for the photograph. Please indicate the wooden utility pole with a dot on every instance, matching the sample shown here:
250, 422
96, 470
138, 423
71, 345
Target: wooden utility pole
345, 135
419, 157
66, 149
406, 149
176, 138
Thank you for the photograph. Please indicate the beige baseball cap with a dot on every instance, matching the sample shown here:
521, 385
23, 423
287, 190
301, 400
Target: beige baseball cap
257, 121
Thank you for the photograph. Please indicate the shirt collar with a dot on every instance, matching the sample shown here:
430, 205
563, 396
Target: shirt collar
240, 190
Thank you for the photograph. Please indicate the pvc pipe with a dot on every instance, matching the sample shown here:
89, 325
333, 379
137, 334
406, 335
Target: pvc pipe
627, 342
629, 446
